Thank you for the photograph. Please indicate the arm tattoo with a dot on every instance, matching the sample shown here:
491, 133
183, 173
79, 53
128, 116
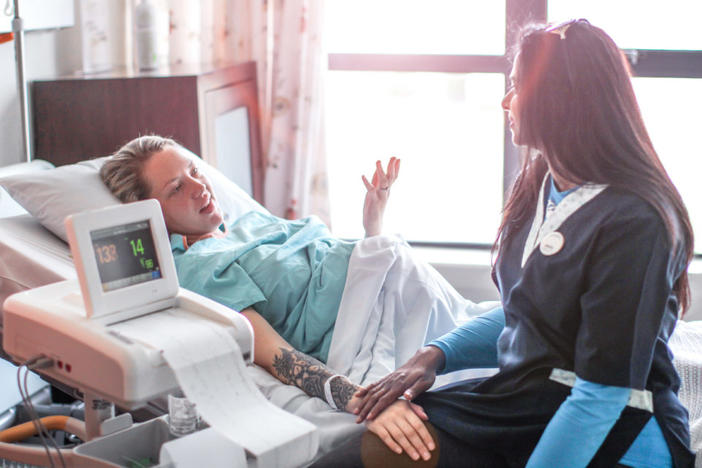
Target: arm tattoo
342, 390
295, 368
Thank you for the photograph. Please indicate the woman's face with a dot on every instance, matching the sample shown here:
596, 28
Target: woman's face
185, 194
510, 103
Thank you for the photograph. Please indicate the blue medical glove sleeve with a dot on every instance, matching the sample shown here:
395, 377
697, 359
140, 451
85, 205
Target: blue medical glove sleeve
473, 344
580, 425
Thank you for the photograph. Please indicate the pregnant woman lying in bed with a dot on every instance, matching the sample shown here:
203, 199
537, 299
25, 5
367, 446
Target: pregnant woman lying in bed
286, 277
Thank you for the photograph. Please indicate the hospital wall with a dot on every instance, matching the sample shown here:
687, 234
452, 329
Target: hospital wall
47, 54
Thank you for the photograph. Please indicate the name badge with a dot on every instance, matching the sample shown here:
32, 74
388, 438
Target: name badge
552, 243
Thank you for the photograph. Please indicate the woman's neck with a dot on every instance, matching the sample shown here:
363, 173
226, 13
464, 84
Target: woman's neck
562, 184
190, 239
196, 237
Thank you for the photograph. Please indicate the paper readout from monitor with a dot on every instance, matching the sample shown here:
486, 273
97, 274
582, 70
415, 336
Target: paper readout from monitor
125, 255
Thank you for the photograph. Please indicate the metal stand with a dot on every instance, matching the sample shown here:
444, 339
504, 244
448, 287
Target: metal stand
18, 30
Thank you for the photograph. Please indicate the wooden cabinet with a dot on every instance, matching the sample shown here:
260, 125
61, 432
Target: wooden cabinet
212, 112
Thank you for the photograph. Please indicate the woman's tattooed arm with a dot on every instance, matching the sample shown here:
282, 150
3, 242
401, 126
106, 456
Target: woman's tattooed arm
295, 368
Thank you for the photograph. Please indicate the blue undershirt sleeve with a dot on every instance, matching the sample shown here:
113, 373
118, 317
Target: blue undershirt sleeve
580, 425
473, 344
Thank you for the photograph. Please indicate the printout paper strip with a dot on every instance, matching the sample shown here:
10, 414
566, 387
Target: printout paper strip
211, 372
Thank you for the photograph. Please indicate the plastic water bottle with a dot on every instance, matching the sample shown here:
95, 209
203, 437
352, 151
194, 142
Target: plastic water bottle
151, 45
182, 416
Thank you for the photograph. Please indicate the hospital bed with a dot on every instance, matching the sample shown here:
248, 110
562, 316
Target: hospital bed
365, 347
31, 256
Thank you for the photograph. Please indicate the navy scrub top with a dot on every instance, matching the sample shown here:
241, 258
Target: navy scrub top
601, 307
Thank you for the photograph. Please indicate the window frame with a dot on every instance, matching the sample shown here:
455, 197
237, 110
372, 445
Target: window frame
643, 62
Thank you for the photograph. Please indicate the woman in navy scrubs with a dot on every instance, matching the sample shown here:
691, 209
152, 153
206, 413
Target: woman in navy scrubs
591, 266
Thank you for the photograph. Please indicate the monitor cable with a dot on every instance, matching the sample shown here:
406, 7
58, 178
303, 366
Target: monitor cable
38, 362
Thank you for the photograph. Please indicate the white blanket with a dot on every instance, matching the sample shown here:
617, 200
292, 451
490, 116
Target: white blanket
686, 345
391, 306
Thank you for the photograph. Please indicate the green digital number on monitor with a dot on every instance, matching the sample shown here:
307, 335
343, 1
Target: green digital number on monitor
137, 247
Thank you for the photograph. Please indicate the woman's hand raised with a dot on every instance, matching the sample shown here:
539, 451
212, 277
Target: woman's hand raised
377, 194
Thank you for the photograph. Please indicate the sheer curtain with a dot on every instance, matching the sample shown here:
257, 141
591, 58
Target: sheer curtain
283, 37
285, 40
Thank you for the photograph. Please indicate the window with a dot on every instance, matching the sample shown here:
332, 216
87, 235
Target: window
447, 129
670, 108
454, 27
638, 24
423, 81
663, 42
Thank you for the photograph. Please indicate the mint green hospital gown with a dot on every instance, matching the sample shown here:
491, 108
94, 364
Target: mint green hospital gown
291, 272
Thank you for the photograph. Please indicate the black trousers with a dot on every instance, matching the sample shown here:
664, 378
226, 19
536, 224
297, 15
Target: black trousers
368, 451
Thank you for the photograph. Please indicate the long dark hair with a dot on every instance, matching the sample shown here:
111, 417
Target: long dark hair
578, 114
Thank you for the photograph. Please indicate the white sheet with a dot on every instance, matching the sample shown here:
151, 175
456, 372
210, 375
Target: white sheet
30, 256
392, 305
686, 345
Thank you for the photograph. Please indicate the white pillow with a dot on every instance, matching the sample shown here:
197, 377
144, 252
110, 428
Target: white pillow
52, 195
8, 206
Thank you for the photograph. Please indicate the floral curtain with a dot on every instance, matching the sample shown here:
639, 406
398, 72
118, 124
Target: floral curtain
283, 37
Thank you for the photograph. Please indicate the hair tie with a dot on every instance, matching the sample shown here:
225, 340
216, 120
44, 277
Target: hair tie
560, 29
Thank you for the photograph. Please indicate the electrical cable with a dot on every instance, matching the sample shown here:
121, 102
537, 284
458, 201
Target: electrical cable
42, 363
24, 400
38, 362
47, 362
42, 431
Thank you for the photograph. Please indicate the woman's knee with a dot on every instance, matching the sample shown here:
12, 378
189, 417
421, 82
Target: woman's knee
368, 451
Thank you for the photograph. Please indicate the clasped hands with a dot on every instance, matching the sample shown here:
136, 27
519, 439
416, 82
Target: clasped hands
399, 422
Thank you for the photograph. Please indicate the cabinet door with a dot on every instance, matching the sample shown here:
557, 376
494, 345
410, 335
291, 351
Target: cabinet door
230, 135
76, 119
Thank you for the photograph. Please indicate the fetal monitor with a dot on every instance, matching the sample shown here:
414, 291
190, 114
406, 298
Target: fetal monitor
125, 271
122, 268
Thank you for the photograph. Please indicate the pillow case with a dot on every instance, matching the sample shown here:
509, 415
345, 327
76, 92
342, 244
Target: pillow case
52, 195
8, 206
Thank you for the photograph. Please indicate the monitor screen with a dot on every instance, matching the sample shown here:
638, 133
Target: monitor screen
125, 255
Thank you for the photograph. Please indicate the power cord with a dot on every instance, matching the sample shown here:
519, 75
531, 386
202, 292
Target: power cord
25, 399
37, 362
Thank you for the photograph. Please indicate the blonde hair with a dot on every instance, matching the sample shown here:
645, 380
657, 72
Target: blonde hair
123, 173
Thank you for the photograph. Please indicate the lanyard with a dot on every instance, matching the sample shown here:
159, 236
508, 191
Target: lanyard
542, 228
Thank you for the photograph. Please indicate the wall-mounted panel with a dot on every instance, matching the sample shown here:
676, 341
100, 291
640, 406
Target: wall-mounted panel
39, 14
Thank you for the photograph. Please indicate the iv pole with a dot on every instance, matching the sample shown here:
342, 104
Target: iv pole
18, 30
